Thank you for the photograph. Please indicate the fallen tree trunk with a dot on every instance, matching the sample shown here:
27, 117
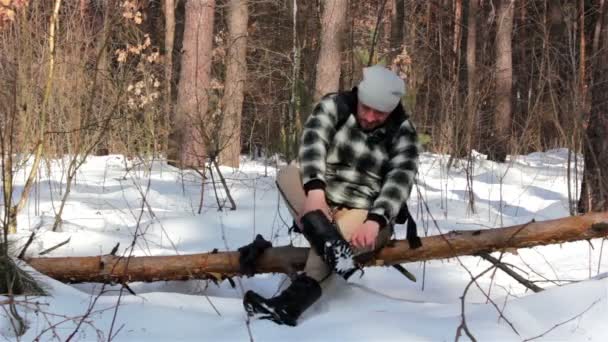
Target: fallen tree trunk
289, 259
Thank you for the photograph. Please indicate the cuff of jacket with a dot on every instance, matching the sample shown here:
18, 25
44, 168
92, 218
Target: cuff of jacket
381, 220
314, 184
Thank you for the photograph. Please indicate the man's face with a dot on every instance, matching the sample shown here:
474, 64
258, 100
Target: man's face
370, 118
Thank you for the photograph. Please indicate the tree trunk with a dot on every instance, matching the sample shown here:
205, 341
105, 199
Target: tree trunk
169, 45
504, 80
598, 27
236, 72
293, 124
457, 38
397, 29
291, 259
582, 54
594, 192
187, 143
460, 124
472, 94
329, 62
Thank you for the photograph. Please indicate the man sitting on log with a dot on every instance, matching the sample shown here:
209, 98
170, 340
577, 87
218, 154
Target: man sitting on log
358, 159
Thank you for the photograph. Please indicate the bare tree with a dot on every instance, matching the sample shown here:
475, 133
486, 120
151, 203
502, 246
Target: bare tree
454, 102
39, 150
504, 80
457, 36
594, 192
236, 73
328, 65
169, 45
397, 28
187, 142
472, 94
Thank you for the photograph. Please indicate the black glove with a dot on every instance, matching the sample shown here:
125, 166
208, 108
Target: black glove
248, 255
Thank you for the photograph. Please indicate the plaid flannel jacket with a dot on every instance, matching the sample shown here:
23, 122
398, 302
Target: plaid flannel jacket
367, 170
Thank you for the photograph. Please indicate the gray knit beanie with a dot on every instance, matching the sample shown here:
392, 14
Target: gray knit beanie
380, 89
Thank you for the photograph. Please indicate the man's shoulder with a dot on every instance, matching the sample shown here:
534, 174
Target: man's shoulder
408, 125
342, 104
341, 94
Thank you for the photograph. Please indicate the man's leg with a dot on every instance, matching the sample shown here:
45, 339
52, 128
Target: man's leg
292, 191
305, 289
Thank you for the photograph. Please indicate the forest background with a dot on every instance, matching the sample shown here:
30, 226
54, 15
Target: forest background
203, 81
200, 83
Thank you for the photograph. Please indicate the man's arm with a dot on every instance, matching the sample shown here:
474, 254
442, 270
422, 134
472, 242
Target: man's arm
403, 166
318, 133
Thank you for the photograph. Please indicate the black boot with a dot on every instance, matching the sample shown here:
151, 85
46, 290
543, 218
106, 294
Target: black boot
327, 241
287, 306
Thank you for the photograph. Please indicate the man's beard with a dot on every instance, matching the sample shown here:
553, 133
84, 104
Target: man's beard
366, 128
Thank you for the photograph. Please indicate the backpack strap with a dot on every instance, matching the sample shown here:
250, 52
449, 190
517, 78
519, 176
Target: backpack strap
412, 229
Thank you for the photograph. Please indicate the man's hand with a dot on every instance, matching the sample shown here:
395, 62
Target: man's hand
365, 235
315, 200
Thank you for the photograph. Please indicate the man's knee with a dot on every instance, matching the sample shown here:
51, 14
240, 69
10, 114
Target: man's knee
291, 189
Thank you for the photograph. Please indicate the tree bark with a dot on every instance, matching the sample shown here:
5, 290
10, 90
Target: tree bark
504, 81
290, 259
397, 22
459, 127
598, 28
236, 73
169, 45
187, 143
329, 62
457, 38
582, 54
472, 94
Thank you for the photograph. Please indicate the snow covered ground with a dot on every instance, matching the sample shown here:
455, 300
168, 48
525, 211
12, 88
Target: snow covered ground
105, 207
